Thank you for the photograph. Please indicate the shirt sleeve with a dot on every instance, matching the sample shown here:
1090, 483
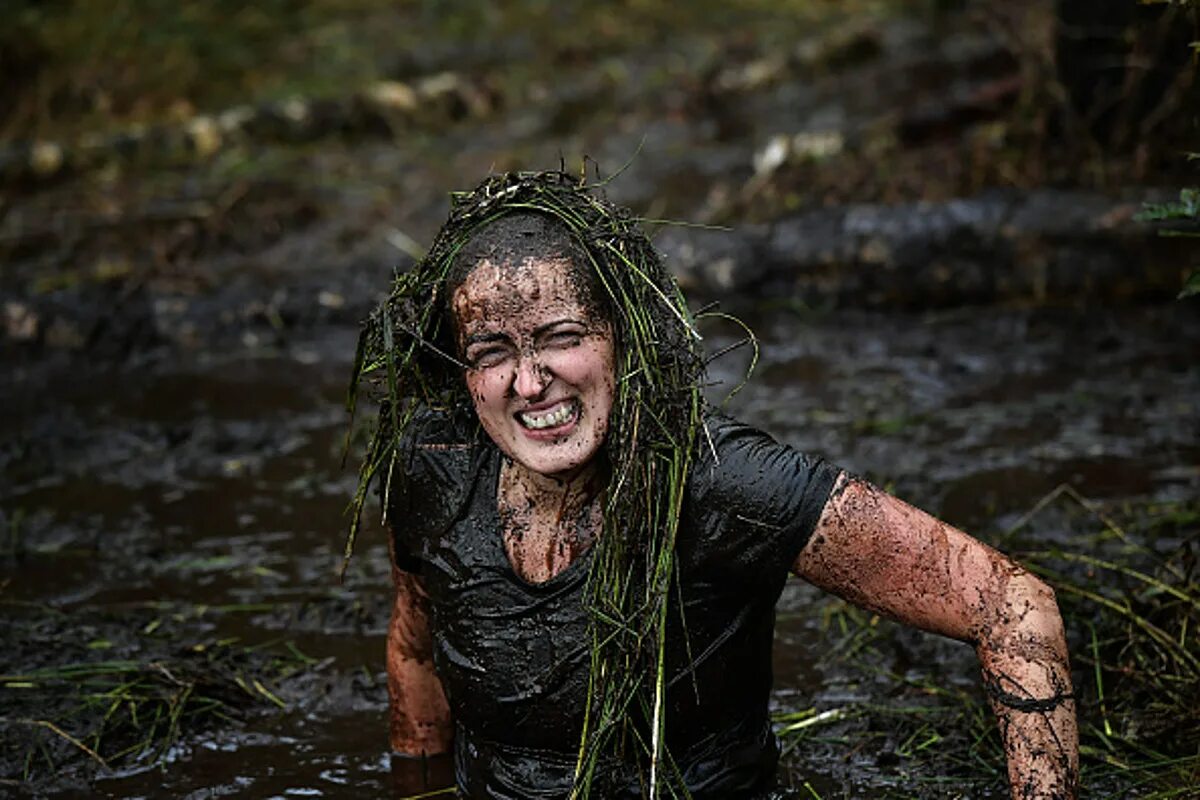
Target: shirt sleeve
428, 486
755, 502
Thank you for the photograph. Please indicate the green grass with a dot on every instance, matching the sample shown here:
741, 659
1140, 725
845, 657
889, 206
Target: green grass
122, 689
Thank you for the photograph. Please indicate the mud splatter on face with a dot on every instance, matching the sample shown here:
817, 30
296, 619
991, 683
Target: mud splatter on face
515, 240
539, 365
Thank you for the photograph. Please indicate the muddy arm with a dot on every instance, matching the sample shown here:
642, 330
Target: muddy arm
419, 716
882, 554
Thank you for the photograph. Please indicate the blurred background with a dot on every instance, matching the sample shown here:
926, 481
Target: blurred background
963, 233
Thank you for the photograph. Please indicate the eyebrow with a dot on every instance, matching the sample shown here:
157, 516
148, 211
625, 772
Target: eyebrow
481, 338
494, 336
541, 329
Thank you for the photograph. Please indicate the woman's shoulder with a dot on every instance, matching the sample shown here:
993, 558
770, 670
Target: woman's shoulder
745, 481
726, 444
440, 452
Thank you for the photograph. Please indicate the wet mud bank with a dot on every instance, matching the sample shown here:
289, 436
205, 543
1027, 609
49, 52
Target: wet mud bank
1040, 247
1037, 248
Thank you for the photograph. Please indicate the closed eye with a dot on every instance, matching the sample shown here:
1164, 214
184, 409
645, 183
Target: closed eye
563, 339
490, 355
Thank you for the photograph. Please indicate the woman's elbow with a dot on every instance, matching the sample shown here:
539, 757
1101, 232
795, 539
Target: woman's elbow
1026, 617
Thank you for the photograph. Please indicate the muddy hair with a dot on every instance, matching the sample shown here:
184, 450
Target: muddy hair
407, 357
521, 237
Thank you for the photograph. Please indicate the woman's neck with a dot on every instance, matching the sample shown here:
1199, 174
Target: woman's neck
563, 495
548, 522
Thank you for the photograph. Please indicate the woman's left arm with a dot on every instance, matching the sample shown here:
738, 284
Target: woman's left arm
882, 554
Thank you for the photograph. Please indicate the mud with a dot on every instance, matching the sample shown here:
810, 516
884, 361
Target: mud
175, 345
214, 481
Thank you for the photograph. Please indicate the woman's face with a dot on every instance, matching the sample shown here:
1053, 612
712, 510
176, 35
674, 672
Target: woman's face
539, 363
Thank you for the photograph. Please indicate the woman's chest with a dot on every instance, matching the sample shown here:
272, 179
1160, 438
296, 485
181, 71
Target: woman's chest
507, 649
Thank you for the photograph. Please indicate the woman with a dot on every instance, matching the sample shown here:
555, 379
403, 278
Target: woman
586, 560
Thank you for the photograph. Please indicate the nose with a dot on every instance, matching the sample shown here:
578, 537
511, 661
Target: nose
531, 378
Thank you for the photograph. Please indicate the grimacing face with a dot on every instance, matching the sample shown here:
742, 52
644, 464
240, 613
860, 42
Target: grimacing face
539, 363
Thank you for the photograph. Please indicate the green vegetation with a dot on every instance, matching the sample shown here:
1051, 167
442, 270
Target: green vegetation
1130, 590
122, 690
79, 65
1181, 217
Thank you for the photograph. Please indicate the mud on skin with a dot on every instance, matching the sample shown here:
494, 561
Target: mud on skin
539, 366
971, 593
542, 536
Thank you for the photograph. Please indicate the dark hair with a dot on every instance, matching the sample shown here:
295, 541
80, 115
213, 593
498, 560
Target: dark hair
406, 352
519, 238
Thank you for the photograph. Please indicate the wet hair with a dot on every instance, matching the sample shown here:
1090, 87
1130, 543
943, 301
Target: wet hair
407, 356
519, 238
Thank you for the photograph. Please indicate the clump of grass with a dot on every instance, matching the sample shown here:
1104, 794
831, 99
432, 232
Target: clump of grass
113, 696
908, 732
1129, 589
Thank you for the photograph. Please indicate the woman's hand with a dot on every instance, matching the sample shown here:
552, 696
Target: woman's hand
419, 717
882, 554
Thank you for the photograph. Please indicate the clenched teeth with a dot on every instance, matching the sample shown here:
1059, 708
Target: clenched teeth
551, 419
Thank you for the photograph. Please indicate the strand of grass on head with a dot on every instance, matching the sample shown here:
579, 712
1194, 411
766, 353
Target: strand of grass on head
595, 733
656, 598
665, 568
393, 395
614, 685
662, 295
385, 445
366, 475
750, 337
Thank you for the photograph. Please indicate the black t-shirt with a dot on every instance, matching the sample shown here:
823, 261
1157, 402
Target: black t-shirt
513, 656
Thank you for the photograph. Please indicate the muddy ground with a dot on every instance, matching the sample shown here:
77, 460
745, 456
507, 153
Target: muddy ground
178, 329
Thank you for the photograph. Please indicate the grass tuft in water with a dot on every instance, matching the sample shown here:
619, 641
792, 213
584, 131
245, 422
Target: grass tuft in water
121, 695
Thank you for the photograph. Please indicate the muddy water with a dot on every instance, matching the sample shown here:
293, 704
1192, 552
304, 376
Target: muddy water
215, 481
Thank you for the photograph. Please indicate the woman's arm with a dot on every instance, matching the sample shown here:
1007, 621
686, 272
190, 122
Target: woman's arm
882, 554
419, 717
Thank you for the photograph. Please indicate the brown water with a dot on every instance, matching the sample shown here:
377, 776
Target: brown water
216, 481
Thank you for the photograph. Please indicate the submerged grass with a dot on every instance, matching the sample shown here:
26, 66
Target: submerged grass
122, 695
1128, 586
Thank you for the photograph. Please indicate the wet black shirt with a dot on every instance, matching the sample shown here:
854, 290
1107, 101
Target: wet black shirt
513, 656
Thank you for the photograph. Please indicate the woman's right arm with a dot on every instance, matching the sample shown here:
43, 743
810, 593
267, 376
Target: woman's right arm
419, 717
